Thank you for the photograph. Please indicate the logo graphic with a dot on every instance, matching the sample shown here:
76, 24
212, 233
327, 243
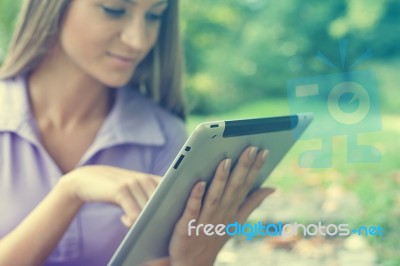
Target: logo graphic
280, 229
344, 104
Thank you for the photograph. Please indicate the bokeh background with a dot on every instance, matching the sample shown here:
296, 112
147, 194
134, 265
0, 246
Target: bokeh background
240, 54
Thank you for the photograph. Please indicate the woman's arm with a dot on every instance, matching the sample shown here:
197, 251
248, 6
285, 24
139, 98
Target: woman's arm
32, 241
35, 238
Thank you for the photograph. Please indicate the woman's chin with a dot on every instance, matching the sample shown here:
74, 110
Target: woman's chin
115, 82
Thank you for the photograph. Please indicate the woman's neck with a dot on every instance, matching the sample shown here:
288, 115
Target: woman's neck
65, 96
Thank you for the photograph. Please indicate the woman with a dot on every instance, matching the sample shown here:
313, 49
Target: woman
91, 117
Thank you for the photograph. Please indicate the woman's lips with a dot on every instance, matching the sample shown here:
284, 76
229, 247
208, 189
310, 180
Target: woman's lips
121, 61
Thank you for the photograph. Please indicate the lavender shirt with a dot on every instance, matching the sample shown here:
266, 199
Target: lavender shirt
136, 135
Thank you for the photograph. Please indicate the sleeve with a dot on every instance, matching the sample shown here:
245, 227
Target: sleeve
176, 135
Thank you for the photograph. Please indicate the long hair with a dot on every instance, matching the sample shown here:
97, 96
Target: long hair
159, 75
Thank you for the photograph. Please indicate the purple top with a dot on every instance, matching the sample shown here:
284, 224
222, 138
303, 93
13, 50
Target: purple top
136, 135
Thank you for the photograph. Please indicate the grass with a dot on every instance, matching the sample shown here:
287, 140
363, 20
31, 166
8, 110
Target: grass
376, 184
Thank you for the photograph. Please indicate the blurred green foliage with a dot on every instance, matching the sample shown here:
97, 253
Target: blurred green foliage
8, 13
241, 50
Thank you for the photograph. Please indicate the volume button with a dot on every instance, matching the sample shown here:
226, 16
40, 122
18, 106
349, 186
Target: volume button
179, 161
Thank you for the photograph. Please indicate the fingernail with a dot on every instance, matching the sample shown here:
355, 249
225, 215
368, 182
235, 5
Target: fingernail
201, 187
132, 220
264, 155
227, 165
252, 153
269, 191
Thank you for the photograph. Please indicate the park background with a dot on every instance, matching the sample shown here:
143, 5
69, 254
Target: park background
240, 54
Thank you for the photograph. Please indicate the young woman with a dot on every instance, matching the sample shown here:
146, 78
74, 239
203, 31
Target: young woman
91, 115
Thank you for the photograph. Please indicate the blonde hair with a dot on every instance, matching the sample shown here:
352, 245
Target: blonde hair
159, 75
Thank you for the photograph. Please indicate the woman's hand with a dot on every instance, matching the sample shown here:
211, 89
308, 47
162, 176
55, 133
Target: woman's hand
128, 189
225, 202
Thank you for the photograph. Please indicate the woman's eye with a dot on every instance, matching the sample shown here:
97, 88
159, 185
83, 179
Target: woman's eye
154, 17
114, 12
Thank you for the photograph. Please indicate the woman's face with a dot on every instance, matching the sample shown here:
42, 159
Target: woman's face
107, 39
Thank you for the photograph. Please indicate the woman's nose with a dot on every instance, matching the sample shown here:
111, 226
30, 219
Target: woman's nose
135, 34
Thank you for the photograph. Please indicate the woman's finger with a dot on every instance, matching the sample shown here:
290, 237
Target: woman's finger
192, 209
252, 202
156, 180
238, 175
158, 262
116, 171
127, 221
149, 185
138, 192
251, 178
216, 190
131, 209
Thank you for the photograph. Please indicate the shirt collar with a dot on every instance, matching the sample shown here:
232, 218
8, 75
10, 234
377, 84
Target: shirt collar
14, 105
133, 118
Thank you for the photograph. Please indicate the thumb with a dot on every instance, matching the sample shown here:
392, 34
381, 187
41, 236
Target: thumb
252, 202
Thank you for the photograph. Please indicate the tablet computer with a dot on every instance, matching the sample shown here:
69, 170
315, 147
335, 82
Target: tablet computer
211, 142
